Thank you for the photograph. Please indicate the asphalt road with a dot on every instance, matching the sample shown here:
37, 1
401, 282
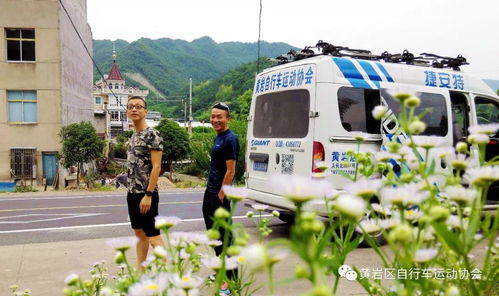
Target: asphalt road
40, 219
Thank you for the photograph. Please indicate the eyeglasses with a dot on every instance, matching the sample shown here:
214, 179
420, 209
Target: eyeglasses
222, 106
137, 107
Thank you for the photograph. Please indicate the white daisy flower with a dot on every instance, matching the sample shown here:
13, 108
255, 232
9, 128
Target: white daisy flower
215, 263
149, 286
379, 111
166, 221
425, 255
381, 210
122, 243
368, 225
460, 194
235, 193
403, 195
384, 156
350, 206
487, 129
478, 139
388, 223
364, 188
442, 152
458, 161
359, 136
427, 142
71, 279
160, 252
277, 254
300, 189
454, 222
255, 257
482, 175
186, 282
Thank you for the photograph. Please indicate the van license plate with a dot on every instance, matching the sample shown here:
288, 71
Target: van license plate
260, 166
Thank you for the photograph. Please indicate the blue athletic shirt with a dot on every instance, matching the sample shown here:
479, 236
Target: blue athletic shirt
225, 147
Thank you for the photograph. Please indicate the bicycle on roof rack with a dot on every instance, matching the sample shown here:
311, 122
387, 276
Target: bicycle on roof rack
406, 57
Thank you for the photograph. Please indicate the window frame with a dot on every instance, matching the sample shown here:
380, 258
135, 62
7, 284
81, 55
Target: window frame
368, 113
23, 102
100, 100
21, 40
25, 169
304, 132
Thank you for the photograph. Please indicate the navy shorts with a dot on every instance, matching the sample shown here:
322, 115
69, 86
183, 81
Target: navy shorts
143, 221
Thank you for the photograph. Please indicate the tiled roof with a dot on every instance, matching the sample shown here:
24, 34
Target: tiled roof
114, 74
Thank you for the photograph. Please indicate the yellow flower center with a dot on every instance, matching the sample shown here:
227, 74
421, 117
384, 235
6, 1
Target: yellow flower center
151, 287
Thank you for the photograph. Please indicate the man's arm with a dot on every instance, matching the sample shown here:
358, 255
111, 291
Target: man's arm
229, 176
145, 203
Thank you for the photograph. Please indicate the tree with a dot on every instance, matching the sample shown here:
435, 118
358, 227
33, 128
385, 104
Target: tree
80, 144
175, 143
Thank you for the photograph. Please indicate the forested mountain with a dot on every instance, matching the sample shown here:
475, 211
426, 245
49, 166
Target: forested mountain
235, 88
168, 64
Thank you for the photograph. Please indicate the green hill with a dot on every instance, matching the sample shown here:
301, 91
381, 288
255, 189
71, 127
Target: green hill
168, 64
235, 88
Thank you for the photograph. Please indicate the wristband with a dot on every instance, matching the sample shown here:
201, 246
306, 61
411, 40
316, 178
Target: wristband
149, 193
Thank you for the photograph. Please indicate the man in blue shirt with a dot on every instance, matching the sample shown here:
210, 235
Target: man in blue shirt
224, 153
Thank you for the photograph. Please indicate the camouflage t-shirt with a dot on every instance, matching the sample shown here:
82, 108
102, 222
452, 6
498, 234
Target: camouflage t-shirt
139, 158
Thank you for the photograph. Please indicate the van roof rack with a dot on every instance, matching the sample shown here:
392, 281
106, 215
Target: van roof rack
406, 57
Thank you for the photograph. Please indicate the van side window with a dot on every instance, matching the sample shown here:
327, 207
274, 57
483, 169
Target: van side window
436, 117
282, 114
355, 105
487, 111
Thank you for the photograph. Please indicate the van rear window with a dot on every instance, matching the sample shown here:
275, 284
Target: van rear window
355, 105
436, 116
282, 114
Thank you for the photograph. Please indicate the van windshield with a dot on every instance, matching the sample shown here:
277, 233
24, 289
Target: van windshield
282, 114
434, 104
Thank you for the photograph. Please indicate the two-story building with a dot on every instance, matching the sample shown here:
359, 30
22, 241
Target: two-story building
45, 83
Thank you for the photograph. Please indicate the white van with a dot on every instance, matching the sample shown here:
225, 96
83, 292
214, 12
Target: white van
307, 110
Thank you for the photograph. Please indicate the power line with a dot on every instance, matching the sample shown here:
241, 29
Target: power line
88, 52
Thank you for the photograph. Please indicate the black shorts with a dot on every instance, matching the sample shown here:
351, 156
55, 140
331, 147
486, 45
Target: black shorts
143, 221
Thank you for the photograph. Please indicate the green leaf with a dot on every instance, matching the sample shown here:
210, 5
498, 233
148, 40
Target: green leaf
450, 238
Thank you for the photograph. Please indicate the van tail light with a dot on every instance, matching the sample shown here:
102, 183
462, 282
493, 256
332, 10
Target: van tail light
493, 142
318, 155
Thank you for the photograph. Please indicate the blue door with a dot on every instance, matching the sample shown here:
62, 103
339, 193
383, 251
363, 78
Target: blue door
49, 167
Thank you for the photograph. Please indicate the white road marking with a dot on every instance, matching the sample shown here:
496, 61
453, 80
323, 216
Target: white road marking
85, 196
62, 217
101, 225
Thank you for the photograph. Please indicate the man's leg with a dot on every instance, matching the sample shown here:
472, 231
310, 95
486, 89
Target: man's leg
156, 241
142, 246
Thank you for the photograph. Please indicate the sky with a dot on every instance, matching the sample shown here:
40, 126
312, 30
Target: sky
443, 27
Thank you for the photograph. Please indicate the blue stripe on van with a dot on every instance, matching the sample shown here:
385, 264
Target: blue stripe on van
351, 73
373, 75
383, 69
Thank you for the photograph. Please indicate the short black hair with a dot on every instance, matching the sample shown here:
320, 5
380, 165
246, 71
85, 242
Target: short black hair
138, 98
222, 106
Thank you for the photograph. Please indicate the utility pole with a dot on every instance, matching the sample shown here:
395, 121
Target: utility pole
185, 112
190, 107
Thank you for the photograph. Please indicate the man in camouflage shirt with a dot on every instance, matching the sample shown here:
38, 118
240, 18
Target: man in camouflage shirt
144, 163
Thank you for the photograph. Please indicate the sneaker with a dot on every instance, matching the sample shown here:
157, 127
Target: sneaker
224, 290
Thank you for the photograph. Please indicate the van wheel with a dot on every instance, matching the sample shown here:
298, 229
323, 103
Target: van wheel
287, 217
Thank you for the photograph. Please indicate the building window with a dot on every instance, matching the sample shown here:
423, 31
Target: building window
22, 163
116, 86
110, 85
98, 100
20, 45
115, 116
22, 105
123, 115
